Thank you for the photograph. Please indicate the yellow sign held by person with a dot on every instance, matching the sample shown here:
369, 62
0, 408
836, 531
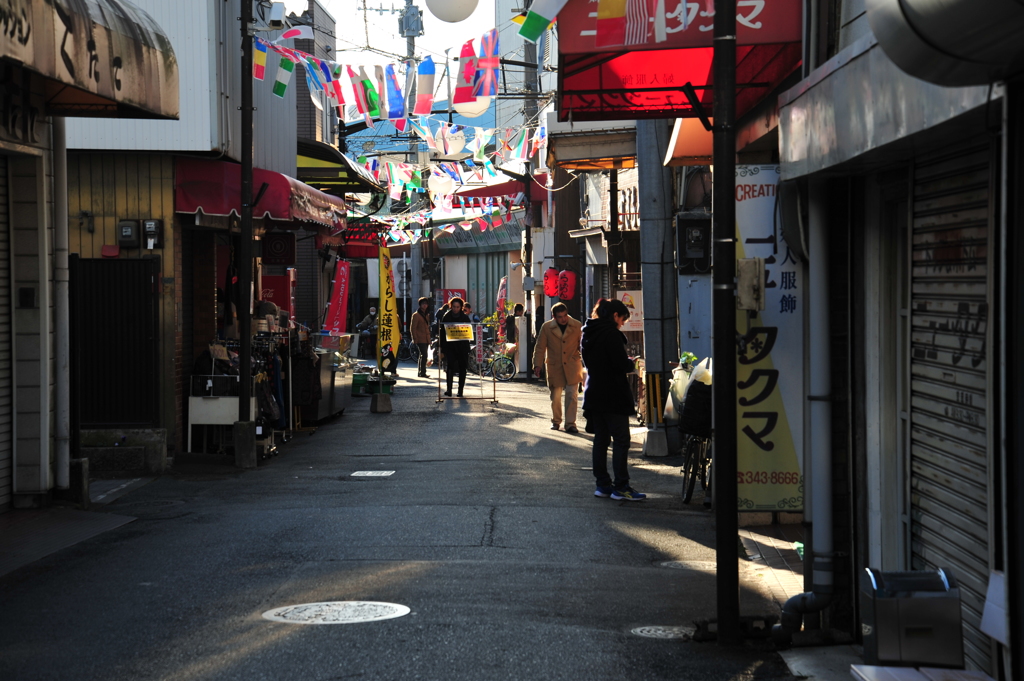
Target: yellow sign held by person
389, 332
458, 332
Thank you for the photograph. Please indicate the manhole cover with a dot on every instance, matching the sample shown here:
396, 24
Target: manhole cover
336, 612
666, 632
701, 565
372, 474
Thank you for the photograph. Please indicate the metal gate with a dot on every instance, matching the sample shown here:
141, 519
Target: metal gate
115, 342
949, 365
6, 368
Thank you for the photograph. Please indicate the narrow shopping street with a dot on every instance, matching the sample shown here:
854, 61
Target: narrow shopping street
487, 530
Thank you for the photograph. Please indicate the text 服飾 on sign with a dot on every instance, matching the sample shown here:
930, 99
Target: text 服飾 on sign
770, 361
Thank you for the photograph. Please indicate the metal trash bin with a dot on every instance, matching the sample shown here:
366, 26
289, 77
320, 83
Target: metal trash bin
911, 618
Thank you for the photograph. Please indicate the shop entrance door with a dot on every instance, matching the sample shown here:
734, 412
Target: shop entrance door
114, 342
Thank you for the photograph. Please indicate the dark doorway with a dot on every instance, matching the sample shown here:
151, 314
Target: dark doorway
114, 342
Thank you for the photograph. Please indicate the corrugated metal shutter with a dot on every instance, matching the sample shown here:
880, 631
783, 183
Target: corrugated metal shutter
949, 436
6, 370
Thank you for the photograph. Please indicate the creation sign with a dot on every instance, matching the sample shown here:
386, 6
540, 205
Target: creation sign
770, 363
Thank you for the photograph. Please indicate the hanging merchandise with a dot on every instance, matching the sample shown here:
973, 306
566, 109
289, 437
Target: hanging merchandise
485, 83
424, 87
551, 282
566, 284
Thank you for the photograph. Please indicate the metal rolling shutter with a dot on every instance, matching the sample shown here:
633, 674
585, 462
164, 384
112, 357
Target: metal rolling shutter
949, 365
6, 370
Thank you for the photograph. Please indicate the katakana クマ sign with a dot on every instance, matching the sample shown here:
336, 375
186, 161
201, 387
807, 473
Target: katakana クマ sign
389, 333
770, 362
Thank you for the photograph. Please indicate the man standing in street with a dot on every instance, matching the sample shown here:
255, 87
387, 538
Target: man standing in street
419, 328
558, 352
512, 333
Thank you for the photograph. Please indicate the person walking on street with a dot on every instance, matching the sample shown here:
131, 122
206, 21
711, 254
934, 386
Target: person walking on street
454, 352
512, 334
558, 352
607, 399
419, 328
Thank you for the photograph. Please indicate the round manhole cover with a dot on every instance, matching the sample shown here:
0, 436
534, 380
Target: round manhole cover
666, 632
336, 612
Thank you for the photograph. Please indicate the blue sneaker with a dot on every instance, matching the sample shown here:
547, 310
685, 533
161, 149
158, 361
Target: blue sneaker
627, 494
603, 492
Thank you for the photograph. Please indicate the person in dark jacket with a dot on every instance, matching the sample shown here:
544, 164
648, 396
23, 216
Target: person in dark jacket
455, 353
607, 399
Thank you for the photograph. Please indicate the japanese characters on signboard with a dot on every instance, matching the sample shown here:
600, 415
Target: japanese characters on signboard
770, 363
635, 302
671, 25
443, 295
388, 330
337, 307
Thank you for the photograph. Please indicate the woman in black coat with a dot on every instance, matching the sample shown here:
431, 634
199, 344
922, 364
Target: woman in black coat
607, 399
455, 353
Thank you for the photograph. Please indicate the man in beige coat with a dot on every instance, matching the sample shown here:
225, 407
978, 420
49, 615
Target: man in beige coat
558, 351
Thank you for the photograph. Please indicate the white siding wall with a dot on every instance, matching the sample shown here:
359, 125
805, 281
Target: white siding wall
207, 45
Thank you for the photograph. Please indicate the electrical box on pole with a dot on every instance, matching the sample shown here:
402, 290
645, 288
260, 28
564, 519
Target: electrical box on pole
693, 243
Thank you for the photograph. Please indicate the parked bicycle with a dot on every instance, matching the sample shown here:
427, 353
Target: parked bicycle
407, 350
697, 466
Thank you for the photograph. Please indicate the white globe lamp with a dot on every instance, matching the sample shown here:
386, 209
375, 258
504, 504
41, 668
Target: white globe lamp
456, 141
452, 11
473, 109
441, 184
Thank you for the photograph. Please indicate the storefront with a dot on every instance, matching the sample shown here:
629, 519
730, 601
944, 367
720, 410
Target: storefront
57, 59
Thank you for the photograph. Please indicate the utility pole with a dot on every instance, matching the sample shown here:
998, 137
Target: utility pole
724, 323
244, 429
532, 85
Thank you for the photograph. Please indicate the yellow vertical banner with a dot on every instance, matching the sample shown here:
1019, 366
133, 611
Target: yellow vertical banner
770, 364
389, 333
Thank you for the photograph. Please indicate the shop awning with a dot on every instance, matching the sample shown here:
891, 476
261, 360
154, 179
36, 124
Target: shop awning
592, 145
215, 188
637, 66
327, 169
691, 144
98, 57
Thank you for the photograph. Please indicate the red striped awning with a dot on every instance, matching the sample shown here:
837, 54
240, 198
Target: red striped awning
215, 188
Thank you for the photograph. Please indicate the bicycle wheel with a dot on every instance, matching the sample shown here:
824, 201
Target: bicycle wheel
691, 463
472, 367
503, 368
414, 352
403, 351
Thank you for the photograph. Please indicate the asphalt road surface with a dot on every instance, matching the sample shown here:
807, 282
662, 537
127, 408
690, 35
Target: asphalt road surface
488, 532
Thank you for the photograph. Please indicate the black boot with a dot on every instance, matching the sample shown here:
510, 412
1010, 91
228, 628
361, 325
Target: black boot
462, 384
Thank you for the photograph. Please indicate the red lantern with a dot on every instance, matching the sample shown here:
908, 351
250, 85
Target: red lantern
566, 284
551, 282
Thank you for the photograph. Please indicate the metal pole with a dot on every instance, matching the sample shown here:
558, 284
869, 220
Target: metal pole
724, 322
531, 84
244, 435
613, 231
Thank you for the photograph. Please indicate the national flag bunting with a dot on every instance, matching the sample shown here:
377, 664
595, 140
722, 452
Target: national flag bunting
485, 82
396, 101
259, 59
284, 76
424, 87
299, 32
467, 69
541, 15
